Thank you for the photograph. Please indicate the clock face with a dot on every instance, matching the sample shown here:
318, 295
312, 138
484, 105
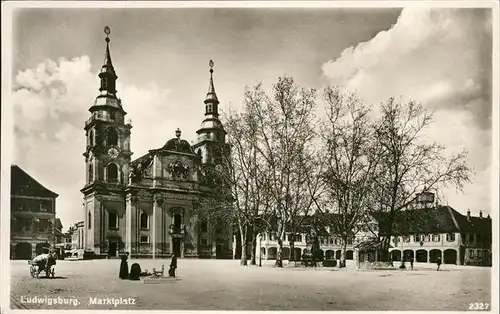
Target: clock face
113, 152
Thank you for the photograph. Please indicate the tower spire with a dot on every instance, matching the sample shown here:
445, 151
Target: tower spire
107, 57
107, 75
211, 100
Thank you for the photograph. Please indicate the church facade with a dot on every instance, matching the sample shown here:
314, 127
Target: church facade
149, 206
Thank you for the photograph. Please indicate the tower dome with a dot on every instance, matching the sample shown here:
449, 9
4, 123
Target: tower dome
177, 144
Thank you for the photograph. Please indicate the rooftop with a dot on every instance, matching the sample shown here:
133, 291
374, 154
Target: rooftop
24, 184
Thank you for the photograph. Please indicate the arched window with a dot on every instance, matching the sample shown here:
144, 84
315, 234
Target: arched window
144, 221
112, 170
111, 137
113, 221
91, 173
90, 221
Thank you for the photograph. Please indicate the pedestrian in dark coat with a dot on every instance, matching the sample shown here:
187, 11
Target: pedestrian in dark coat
173, 265
438, 263
124, 267
411, 263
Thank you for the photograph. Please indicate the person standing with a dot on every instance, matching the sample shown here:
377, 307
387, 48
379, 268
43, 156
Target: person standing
438, 262
124, 266
173, 265
411, 263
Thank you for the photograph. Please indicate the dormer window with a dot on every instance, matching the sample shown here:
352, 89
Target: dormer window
471, 237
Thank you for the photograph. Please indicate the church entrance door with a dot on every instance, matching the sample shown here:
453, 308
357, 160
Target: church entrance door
112, 249
176, 247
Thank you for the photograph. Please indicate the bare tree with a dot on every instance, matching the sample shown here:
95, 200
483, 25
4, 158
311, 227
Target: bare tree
312, 190
349, 164
244, 172
286, 130
409, 163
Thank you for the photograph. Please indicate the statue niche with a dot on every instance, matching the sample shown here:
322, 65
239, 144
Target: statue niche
178, 170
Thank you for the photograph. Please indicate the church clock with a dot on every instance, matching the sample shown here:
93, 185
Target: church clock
113, 152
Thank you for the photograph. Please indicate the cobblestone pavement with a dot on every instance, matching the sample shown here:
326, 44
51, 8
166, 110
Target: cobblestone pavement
224, 285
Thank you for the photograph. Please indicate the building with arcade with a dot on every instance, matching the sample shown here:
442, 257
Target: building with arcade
423, 232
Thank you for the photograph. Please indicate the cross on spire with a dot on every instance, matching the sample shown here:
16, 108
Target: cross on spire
107, 75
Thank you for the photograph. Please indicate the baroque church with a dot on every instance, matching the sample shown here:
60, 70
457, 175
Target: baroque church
148, 206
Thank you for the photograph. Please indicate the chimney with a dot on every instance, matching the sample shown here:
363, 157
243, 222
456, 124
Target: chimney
468, 214
481, 214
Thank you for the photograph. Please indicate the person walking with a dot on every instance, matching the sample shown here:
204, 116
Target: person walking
438, 262
411, 263
173, 265
124, 266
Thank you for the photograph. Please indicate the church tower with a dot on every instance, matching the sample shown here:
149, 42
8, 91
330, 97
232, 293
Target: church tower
211, 147
211, 136
107, 158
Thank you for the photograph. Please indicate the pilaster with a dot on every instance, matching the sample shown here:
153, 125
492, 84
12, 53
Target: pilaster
131, 222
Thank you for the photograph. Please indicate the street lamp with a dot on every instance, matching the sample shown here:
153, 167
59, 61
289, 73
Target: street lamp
402, 266
260, 249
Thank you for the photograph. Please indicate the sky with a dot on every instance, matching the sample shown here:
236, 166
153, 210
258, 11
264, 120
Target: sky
441, 57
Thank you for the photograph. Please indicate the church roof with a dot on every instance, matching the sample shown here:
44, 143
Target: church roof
142, 162
177, 144
23, 184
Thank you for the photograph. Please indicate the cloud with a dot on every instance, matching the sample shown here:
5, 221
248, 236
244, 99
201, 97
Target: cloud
442, 58
50, 106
